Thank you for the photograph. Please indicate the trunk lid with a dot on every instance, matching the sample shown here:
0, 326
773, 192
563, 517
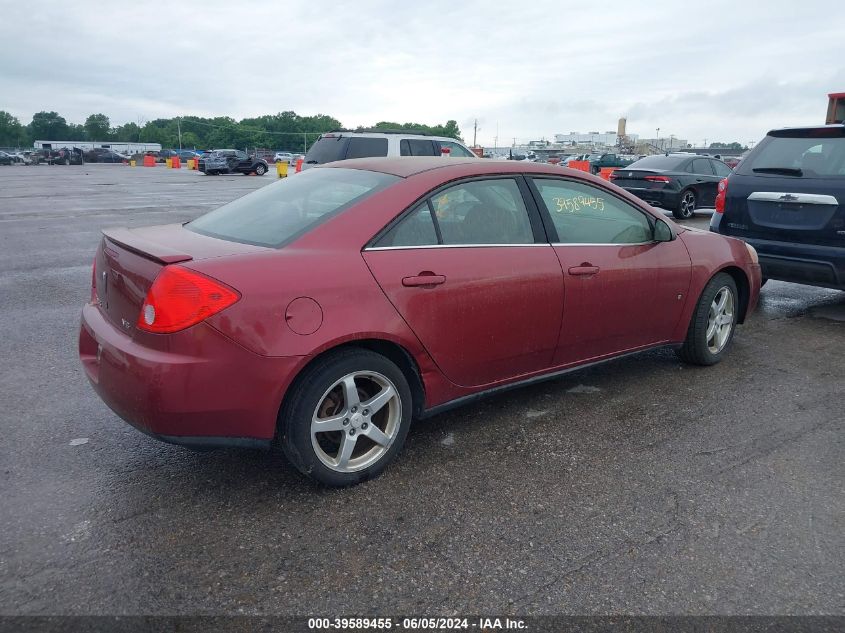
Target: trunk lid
128, 261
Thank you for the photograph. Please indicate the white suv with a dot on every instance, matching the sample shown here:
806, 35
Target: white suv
346, 144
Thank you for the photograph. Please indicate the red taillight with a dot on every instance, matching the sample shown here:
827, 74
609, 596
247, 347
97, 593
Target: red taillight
180, 298
94, 281
657, 178
721, 194
445, 150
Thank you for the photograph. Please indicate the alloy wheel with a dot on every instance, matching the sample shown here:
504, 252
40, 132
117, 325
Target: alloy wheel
356, 421
688, 204
721, 320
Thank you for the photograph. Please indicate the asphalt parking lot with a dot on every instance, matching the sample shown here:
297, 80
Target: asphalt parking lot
643, 486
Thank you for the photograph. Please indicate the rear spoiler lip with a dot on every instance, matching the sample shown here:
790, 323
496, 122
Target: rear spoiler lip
125, 238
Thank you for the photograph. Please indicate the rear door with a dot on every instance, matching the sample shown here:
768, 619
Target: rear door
471, 272
791, 188
706, 181
623, 289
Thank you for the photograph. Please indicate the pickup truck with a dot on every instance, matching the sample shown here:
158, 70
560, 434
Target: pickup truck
230, 161
607, 160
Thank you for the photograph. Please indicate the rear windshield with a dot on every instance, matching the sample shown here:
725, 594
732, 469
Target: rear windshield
808, 156
276, 214
660, 161
327, 149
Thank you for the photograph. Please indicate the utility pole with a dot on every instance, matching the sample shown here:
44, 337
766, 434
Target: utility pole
179, 128
705, 143
496, 138
657, 140
305, 142
514, 142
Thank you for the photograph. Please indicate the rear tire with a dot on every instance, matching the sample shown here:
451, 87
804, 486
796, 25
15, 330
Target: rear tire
260, 170
713, 322
346, 417
686, 205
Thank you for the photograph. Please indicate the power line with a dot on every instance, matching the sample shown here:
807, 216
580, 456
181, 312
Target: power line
239, 127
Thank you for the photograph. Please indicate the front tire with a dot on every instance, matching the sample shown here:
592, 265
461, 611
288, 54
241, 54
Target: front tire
686, 205
346, 417
260, 170
713, 322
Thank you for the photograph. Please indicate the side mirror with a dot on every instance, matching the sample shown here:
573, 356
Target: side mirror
662, 232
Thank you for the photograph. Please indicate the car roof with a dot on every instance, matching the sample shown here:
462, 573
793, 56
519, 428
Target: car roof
389, 133
381, 131
808, 128
407, 166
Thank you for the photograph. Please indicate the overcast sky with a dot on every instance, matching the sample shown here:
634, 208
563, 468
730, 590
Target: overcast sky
720, 70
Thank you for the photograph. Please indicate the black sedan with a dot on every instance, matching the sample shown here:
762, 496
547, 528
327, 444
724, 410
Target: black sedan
6, 159
679, 182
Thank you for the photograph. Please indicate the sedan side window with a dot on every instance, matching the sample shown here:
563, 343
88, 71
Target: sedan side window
415, 229
483, 212
583, 214
702, 166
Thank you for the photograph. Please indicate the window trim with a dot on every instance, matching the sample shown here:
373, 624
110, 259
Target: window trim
541, 236
551, 229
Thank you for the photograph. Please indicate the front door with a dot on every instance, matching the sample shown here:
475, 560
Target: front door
623, 289
476, 281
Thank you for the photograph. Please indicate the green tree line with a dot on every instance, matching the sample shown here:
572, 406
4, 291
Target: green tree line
282, 131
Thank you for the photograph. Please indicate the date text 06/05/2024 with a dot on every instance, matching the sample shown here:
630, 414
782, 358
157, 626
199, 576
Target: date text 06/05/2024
418, 624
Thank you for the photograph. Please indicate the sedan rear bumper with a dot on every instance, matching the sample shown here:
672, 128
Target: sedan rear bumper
196, 387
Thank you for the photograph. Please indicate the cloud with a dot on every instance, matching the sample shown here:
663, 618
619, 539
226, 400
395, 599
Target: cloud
695, 69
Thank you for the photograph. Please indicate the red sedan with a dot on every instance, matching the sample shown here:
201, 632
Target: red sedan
326, 311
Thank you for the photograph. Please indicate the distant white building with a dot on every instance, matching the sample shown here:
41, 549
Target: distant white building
591, 138
666, 142
117, 146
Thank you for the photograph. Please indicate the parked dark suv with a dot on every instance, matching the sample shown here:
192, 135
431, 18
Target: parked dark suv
787, 199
